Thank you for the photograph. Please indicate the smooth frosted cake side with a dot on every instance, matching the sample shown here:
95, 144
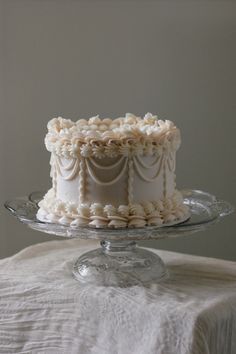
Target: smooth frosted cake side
112, 173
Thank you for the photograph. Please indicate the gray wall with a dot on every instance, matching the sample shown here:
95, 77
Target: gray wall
79, 58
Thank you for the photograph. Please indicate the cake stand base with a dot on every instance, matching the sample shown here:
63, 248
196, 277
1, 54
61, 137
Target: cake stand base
119, 263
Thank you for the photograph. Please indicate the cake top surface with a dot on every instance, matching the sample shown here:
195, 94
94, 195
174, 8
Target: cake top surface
130, 129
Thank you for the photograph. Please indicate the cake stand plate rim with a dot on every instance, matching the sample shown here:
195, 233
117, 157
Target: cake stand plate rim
180, 228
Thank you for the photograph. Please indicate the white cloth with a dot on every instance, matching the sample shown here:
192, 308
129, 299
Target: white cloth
44, 310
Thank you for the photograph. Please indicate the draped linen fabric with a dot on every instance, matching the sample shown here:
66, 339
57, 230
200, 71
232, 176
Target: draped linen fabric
44, 310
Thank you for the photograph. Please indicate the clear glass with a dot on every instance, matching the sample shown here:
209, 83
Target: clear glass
119, 261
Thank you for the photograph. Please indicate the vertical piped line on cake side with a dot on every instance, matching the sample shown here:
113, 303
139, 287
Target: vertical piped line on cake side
130, 180
170, 164
82, 180
53, 173
174, 157
164, 178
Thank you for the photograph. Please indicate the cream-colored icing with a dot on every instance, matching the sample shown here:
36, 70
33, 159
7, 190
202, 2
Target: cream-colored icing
118, 173
99, 215
107, 183
71, 170
123, 178
130, 180
106, 167
129, 135
157, 172
82, 180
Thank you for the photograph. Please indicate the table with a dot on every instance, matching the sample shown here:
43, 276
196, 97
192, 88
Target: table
44, 310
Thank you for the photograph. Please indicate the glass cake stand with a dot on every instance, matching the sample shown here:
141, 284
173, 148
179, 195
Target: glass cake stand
119, 262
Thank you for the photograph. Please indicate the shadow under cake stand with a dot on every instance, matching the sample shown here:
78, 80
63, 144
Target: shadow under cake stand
119, 262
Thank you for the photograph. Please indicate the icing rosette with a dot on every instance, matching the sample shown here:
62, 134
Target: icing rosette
136, 221
98, 151
98, 221
117, 222
83, 216
123, 210
154, 218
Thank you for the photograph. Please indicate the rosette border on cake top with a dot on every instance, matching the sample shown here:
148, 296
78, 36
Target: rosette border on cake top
113, 173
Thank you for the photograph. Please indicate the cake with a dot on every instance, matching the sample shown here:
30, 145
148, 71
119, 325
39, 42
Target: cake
113, 173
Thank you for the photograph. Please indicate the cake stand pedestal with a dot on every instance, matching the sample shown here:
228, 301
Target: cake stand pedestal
119, 262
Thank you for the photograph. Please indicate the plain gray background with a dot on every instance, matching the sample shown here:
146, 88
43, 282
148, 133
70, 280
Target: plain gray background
81, 58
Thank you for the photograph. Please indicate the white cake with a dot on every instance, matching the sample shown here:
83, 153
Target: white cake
113, 173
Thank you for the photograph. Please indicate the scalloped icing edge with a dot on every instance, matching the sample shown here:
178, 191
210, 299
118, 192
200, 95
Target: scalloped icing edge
157, 213
123, 136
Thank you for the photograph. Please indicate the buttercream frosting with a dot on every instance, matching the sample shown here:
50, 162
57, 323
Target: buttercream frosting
129, 135
99, 215
112, 173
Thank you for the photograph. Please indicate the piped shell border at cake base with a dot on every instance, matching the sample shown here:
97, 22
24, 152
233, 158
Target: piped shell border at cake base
109, 216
